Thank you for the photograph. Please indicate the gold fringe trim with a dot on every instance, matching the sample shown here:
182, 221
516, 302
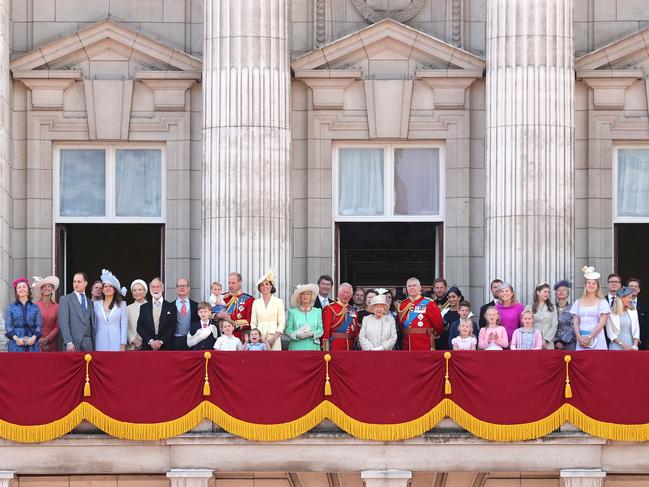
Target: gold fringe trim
324, 410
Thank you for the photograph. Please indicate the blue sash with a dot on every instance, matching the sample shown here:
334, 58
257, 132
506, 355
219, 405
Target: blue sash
415, 311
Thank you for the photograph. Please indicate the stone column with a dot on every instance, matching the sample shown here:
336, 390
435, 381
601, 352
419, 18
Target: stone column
193, 477
529, 147
246, 137
583, 477
6, 205
6, 477
386, 478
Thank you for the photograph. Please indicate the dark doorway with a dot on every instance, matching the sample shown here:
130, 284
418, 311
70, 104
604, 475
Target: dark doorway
630, 243
130, 251
386, 254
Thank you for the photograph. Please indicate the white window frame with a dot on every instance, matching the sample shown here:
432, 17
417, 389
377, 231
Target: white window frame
615, 166
388, 181
111, 162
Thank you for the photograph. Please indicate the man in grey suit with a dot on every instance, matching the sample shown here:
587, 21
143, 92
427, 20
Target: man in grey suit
76, 317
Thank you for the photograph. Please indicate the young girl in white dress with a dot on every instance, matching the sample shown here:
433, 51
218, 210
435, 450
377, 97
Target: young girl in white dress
466, 339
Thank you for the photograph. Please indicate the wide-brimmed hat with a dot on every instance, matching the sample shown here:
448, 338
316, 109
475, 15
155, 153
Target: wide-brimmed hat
624, 291
269, 276
589, 273
108, 277
39, 282
304, 288
380, 300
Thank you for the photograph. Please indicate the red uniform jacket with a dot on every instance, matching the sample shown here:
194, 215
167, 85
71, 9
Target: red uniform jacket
421, 321
239, 307
339, 319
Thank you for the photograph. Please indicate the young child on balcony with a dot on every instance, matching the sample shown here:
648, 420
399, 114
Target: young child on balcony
228, 342
202, 333
493, 336
466, 340
216, 297
527, 337
254, 342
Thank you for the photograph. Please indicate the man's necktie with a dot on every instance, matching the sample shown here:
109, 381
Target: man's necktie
183, 308
84, 305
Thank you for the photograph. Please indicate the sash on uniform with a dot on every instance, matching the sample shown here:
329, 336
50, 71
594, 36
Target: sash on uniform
415, 311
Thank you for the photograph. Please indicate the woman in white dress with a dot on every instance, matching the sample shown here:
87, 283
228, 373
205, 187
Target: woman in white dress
590, 313
268, 315
111, 315
138, 290
378, 331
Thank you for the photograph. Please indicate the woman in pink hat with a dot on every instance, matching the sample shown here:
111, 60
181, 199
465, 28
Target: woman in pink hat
23, 320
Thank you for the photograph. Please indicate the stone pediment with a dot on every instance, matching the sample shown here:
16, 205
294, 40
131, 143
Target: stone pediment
105, 42
383, 44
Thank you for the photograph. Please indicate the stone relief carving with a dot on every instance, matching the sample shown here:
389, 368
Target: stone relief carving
400, 10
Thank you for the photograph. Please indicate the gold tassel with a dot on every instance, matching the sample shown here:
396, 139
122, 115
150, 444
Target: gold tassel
206, 384
327, 387
447, 383
86, 386
568, 389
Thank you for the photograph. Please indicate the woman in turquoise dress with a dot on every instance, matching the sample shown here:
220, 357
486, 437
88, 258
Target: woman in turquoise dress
622, 326
304, 323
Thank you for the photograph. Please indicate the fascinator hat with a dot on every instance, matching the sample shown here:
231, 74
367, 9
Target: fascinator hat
15, 282
269, 276
304, 288
563, 283
623, 292
108, 277
589, 273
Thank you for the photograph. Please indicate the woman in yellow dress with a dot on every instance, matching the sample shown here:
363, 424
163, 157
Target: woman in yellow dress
268, 315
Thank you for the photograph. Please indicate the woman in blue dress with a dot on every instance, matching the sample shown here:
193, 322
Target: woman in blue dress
622, 326
111, 315
23, 321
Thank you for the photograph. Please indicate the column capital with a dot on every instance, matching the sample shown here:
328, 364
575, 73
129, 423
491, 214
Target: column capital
6, 477
190, 477
386, 478
583, 477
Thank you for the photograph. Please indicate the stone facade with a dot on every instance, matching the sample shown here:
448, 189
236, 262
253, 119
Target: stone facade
434, 55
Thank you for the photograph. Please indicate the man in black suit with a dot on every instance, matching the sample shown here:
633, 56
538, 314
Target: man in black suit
157, 322
495, 289
325, 283
643, 312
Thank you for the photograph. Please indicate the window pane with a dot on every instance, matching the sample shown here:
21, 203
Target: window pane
416, 181
633, 182
83, 182
139, 183
360, 182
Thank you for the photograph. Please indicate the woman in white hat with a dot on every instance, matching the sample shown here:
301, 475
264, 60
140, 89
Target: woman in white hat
304, 323
111, 315
268, 314
138, 290
590, 313
378, 331
44, 296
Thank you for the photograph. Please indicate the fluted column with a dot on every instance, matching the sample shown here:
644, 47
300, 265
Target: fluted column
246, 81
530, 138
6, 207
583, 477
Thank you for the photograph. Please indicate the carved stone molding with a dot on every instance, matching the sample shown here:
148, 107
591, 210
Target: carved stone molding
47, 94
388, 108
108, 101
609, 86
400, 15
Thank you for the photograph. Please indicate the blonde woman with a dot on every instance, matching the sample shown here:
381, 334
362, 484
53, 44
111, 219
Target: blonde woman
268, 314
622, 326
590, 313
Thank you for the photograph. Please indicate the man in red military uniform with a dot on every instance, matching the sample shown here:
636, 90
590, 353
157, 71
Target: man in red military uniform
419, 318
340, 321
238, 305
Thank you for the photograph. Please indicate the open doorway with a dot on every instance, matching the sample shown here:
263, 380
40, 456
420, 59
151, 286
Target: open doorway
130, 251
630, 253
386, 254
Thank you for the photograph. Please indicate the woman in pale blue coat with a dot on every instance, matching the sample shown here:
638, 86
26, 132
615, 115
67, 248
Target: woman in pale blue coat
111, 331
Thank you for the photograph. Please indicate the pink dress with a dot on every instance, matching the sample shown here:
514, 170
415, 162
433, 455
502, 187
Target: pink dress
510, 317
501, 338
50, 316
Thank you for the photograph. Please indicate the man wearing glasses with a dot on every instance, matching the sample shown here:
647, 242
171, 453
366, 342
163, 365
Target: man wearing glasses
614, 283
186, 312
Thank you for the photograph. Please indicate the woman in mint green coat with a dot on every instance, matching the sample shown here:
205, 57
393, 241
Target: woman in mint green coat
304, 323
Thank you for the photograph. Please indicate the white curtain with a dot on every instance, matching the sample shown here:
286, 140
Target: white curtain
360, 182
83, 182
633, 182
416, 181
139, 183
